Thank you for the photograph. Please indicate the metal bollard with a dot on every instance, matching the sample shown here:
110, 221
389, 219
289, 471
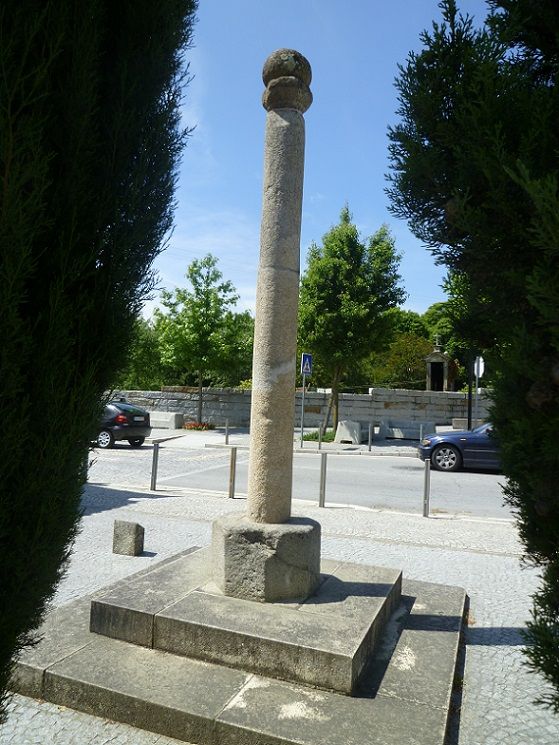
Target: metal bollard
227, 431
322, 492
370, 435
154, 465
232, 472
427, 487
420, 432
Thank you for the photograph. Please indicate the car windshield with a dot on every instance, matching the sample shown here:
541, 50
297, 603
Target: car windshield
482, 428
125, 406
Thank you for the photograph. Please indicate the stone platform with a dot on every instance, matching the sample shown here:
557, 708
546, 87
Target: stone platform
205, 668
325, 641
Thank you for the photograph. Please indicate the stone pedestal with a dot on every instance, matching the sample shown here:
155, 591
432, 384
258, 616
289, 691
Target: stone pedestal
367, 659
266, 562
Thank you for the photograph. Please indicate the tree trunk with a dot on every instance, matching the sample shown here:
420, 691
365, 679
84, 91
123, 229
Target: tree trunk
199, 419
336, 398
328, 412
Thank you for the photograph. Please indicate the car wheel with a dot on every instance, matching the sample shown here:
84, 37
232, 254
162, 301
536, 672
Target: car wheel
446, 458
105, 439
137, 442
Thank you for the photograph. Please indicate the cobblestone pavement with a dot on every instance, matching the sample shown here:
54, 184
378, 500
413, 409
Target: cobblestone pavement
481, 555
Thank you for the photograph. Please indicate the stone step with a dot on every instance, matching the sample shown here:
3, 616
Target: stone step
326, 641
404, 697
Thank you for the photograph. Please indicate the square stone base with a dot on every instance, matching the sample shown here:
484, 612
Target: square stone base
262, 673
266, 562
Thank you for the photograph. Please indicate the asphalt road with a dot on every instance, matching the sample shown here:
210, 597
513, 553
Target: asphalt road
373, 481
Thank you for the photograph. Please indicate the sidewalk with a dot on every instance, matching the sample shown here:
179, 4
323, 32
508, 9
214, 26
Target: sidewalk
240, 437
481, 556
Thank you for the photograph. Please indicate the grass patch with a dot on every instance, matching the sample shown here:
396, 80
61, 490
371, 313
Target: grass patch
328, 436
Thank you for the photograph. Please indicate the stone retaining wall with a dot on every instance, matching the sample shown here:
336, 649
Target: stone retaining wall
383, 403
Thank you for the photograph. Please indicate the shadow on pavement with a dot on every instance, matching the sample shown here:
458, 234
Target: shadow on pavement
99, 498
495, 636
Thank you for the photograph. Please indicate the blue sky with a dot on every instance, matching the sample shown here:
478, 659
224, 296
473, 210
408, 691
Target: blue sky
354, 47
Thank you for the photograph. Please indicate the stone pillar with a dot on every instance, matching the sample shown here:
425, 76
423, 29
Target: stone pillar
267, 555
287, 76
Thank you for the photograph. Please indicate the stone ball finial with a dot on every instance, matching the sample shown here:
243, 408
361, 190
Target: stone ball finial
287, 76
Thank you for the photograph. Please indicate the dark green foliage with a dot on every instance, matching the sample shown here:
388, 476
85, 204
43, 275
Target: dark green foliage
345, 292
475, 166
403, 364
407, 322
89, 142
235, 362
144, 370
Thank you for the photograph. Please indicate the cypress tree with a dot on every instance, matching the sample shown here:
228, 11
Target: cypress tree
90, 137
475, 169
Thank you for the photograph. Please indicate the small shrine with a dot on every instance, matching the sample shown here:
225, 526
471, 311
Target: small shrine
437, 369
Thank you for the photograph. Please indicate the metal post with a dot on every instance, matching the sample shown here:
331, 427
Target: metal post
320, 437
303, 409
322, 492
370, 435
154, 464
470, 364
232, 472
420, 432
476, 399
227, 431
427, 487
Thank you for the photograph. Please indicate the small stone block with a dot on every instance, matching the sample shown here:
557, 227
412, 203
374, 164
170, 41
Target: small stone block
348, 431
128, 538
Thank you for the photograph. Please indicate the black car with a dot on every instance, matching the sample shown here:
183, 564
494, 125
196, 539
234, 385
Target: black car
123, 421
450, 451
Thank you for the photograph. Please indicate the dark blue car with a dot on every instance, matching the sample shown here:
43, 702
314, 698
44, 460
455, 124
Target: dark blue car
123, 421
450, 451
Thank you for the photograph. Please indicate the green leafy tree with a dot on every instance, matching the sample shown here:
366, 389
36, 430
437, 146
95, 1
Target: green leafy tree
407, 322
346, 290
89, 145
235, 363
196, 327
475, 170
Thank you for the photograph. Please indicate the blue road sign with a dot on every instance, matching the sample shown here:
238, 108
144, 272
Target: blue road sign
306, 364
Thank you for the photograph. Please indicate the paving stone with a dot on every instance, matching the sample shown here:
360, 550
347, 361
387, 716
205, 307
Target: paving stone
127, 611
423, 664
65, 631
268, 712
353, 591
150, 689
273, 640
